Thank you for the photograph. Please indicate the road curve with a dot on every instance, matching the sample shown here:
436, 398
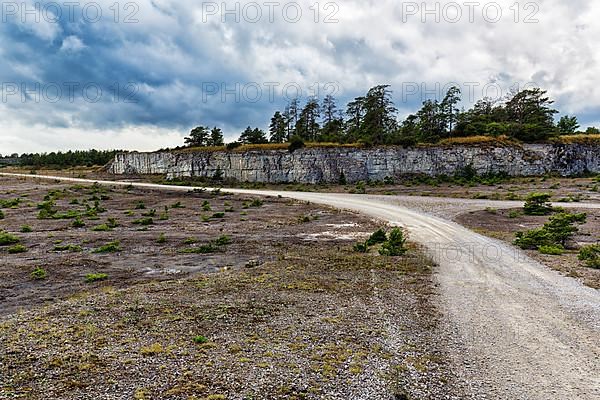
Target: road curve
518, 329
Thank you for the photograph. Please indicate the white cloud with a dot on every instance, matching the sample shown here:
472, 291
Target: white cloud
72, 44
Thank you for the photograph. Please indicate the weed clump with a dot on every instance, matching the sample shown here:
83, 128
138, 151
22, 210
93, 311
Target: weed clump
111, 247
17, 248
7, 239
91, 278
38, 274
590, 255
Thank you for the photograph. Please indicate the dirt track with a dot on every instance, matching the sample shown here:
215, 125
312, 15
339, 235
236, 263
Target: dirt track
518, 329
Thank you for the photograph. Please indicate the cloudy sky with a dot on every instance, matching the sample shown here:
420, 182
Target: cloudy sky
139, 74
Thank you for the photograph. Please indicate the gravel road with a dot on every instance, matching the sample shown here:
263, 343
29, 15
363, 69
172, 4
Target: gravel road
515, 328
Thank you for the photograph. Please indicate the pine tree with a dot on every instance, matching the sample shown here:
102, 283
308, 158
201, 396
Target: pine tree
278, 128
198, 137
216, 137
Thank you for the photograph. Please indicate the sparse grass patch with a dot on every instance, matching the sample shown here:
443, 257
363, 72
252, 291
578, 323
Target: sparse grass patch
552, 250
590, 255
7, 239
26, 229
143, 221
200, 339
111, 247
17, 248
78, 223
39, 274
101, 228
153, 349
161, 239
95, 277
72, 248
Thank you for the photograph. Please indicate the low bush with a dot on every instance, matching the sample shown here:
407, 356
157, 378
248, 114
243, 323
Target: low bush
200, 339
90, 278
395, 245
161, 239
557, 231
590, 255
26, 229
78, 223
552, 250
7, 239
223, 240
111, 247
203, 249
537, 204
73, 248
377, 237
101, 228
17, 248
361, 247
39, 274
218, 215
143, 221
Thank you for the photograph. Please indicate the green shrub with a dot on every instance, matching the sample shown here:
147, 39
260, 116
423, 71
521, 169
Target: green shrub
26, 229
514, 214
557, 231
223, 240
10, 203
361, 247
1, 214
73, 248
39, 274
110, 247
190, 241
101, 228
90, 278
151, 213
161, 239
379, 236
296, 143
78, 223
178, 205
537, 204
140, 205
562, 226
7, 239
360, 188
206, 206
219, 215
200, 340
395, 245
17, 248
143, 221
257, 203
112, 223
303, 219
204, 249
591, 255
553, 250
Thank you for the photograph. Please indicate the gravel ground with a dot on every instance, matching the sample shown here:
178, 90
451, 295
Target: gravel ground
515, 328
287, 310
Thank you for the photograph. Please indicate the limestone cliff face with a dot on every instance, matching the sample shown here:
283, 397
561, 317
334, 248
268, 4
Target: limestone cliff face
325, 165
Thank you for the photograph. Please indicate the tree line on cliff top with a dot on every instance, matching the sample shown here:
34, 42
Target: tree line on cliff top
526, 115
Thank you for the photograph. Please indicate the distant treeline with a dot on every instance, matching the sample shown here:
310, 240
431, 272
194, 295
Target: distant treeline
64, 159
526, 115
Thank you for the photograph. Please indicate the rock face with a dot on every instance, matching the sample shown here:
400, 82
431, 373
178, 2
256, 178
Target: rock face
326, 165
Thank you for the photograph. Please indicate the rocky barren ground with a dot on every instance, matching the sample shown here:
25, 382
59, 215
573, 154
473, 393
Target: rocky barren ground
281, 308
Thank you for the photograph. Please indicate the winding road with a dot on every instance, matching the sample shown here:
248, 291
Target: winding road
515, 328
